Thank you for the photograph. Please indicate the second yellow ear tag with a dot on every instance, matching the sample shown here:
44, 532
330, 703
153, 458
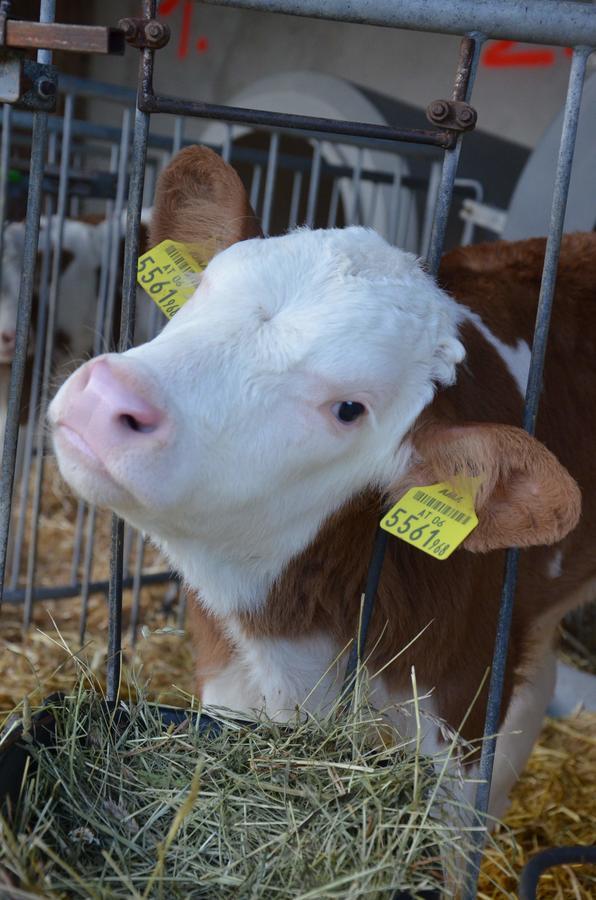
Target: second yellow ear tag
168, 274
435, 518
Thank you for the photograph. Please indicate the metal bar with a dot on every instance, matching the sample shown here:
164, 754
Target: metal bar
333, 204
295, 199
127, 324
73, 38
36, 378
562, 23
270, 183
17, 373
313, 186
73, 591
4, 167
56, 243
135, 613
532, 399
354, 214
465, 75
464, 80
154, 103
115, 229
255, 187
430, 205
546, 859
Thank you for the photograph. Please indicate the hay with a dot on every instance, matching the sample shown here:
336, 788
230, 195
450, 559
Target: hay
333, 806
554, 802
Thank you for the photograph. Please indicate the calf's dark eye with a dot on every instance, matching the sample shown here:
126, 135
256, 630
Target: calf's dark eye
349, 410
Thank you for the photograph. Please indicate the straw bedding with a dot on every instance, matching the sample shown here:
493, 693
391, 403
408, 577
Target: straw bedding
553, 803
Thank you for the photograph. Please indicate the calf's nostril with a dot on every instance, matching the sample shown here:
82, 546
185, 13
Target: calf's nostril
135, 425
7, 337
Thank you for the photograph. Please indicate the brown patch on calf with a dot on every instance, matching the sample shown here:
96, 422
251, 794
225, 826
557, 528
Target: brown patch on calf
200, 200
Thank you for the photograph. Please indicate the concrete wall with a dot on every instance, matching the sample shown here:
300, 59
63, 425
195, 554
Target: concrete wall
516, 103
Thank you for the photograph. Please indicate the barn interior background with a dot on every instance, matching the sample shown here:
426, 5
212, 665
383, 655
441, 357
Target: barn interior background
58, 562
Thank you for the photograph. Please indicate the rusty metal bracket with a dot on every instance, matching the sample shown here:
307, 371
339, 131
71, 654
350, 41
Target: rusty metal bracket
456, 115
52, 36
27, 84
144, 33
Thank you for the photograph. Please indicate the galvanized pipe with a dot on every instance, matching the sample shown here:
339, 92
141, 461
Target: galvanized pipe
17, 374
56, 243
532, 400
563, 23
127, 325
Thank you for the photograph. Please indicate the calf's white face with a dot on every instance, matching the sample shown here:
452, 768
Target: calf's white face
283, 387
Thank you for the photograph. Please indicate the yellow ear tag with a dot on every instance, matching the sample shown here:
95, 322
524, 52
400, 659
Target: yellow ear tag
168, 274
435, 518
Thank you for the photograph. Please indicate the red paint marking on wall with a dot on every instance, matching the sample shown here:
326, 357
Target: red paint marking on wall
512, 54
167, 8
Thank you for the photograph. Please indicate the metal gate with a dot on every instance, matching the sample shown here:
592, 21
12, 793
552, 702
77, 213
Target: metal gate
132, 159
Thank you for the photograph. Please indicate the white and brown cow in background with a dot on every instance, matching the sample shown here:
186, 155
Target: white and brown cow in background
310, 381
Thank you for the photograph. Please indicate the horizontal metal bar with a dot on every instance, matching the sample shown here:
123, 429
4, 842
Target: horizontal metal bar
16, 597
74, 38
563, 23
153, 103
546, 859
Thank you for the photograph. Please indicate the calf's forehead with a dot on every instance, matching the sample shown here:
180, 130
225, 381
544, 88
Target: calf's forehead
346, 303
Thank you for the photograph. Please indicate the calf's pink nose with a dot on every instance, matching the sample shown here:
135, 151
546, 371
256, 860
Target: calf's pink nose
106, 410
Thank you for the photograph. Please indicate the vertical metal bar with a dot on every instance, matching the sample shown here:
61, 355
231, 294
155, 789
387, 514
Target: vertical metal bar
17, 374
115, 229
178, 135
270, 182
295, 200
255, 187
468, 64
547, 290
57, 236
333, 204
136, 588
469, 58
4, 167
395, 206
432, 191
313, 187
354, 214
131, 252
36, 375
226, 150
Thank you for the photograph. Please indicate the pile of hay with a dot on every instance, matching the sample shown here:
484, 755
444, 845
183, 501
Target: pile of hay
554, 802
337, 806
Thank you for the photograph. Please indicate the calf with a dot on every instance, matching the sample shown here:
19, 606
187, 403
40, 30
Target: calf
309, 382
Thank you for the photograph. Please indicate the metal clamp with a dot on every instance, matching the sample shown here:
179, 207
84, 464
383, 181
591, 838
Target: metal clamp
144, 33
453, 114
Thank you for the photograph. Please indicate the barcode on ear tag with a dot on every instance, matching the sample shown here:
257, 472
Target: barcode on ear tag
168, 273
435, 518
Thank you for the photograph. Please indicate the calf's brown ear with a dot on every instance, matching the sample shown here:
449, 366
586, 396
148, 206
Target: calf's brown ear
526, 496
200, 199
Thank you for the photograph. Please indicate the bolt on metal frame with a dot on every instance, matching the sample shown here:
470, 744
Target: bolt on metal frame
540, 21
